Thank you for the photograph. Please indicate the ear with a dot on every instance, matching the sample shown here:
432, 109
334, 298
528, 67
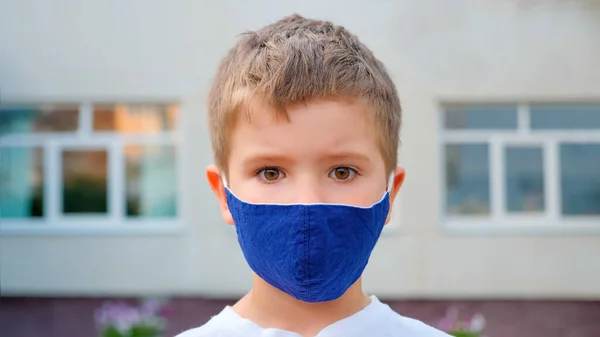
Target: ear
399, 174
213, 175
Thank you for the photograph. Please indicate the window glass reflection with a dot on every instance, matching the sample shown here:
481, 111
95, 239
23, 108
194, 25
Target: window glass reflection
580, 178
21, 182
151, 181
85, 185
467, 179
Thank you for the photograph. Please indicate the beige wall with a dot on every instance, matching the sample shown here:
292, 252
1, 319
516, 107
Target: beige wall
435, 50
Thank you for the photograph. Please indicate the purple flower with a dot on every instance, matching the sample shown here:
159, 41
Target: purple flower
119, 315
124, 317
449, 321
152, 307
477, 323
452, 322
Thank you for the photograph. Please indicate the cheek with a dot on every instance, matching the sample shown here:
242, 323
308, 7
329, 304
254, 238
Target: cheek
357, 201
364, 194
238, 185
248, 188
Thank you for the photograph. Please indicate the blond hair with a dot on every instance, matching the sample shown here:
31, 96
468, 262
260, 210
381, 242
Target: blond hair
298, 60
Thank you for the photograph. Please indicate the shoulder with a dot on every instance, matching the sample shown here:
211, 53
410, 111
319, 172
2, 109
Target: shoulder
207, 330
397, 325
415, 328
196, 332
218, 326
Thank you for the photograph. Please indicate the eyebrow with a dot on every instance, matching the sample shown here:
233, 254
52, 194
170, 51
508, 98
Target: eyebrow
282, 159
347, 155
257, 159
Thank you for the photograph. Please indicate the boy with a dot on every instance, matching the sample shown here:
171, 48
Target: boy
305, 126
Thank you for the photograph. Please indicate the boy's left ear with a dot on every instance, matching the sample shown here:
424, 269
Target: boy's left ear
399, 175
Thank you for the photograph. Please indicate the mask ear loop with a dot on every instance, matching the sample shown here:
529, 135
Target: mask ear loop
390, 183
231, 228
224, 181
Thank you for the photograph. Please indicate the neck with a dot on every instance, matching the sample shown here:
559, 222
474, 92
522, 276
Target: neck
269, 307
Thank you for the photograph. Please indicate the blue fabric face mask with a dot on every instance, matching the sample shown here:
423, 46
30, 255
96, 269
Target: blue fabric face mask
314, 252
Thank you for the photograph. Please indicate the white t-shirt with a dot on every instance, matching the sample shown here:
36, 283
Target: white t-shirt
375, 320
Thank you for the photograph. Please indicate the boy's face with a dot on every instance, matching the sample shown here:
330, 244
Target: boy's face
327, 152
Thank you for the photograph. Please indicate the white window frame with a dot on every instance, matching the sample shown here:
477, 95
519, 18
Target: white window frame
115, 222
500, 221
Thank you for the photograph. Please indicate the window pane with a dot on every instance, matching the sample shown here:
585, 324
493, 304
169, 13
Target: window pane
135, 118
524, 179
467, 179
22, 182
580, 179
151, 181
24, 119
565, 117
85, 181
481, 117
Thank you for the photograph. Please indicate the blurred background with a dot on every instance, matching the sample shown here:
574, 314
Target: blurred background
104, 142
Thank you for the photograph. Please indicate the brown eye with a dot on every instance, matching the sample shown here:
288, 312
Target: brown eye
271, 174
342, 173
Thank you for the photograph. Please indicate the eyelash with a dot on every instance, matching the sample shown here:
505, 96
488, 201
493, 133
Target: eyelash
265, 181
352, 169
258, 172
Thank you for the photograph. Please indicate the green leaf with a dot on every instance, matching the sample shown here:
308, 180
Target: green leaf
144, 331
463, 334
111, 331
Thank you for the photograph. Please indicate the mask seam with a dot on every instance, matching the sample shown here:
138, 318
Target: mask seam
306, 252
238, 229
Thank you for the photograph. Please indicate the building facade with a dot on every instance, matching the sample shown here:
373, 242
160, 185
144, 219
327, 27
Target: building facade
104, 142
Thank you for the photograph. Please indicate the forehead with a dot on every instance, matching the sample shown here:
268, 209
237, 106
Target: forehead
305, 129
